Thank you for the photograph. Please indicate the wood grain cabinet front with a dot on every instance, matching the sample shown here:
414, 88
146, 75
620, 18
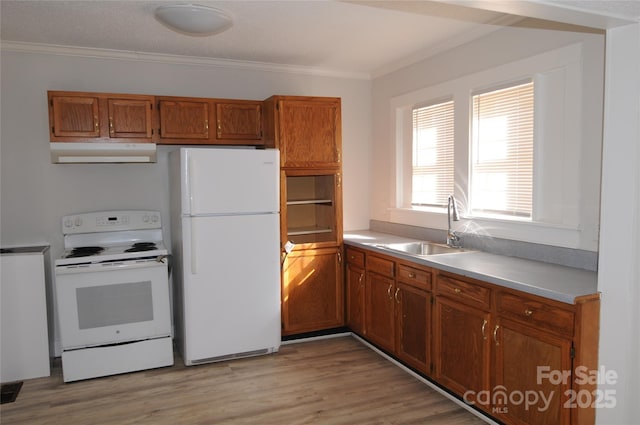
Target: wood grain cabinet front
355, 290
307, 130
100, 117
492, 346
312, 292
184, 120
461, 346
238, 122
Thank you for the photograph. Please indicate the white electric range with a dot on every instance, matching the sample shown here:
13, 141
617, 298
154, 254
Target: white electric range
112, 294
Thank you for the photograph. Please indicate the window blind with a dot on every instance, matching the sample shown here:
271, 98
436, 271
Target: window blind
502, 152
432, 156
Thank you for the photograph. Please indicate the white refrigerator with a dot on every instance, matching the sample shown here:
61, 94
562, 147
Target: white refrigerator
226, 252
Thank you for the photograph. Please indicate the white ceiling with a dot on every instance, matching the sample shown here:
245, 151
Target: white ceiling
357, 38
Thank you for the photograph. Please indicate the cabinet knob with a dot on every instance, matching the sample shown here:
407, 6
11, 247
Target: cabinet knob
528, 312
457, 290
412, 275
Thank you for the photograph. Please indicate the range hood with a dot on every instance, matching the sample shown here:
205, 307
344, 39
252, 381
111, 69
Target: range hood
82, 153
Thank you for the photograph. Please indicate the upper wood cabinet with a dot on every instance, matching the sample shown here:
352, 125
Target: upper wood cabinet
307, 130
184, 120
80, 116
239, 120
172, 120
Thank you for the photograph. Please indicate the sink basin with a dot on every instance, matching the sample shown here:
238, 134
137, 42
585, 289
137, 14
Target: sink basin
421, 248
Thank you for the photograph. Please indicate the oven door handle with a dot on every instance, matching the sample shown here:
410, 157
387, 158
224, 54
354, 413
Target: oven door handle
111, 266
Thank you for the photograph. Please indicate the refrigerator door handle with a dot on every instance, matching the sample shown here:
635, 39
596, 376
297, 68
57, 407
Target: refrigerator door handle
191, 182
194, 261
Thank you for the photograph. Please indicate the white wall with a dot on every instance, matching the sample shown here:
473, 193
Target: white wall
619, 265
35, 194
505, 46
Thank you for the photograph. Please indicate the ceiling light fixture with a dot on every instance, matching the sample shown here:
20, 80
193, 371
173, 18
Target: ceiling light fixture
195, 20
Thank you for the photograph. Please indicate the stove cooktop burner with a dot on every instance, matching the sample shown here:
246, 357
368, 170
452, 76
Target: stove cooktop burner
85, 251
141, 246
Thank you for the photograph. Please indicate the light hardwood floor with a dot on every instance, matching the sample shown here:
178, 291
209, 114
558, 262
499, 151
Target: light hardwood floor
330, 381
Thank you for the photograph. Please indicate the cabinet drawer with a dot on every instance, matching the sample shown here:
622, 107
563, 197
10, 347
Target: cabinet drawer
381, 266
463, 291
415, 277
535, 312
355, 257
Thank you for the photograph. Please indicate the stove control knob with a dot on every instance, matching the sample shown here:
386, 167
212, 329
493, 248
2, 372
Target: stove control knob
78, 222
145, 218
68, 223
154, 218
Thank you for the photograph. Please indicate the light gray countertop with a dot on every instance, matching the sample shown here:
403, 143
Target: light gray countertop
551, 281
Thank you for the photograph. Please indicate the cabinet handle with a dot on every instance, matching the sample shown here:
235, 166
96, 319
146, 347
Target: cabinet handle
528, 312
219, 128
360, 278
340, 257
206, 125
389, 292
412, 275
457, 290
495, 335
96, 122
396, 295
111, 130
484, 325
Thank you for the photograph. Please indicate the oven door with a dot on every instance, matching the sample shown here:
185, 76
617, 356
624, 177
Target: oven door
110, 303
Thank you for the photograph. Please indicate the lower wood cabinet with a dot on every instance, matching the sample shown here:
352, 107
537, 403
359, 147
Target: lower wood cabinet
396, 301
312, 290
461, 347
500, 350
519, 352
355, 286
413, 331
379, 310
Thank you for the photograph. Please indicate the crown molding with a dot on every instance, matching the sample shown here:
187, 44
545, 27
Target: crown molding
53, 49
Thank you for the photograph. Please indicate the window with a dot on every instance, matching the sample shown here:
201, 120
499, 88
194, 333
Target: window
432, 154
502, 152
510, 181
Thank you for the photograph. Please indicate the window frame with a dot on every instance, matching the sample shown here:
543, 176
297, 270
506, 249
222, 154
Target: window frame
555, 216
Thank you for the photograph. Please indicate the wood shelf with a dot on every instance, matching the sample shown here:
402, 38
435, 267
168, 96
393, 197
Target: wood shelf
310, 202
308, 231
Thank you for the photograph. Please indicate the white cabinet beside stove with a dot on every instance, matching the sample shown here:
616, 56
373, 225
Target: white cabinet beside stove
24, 344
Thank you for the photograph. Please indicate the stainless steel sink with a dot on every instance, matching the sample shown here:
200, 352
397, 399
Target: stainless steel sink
421, 248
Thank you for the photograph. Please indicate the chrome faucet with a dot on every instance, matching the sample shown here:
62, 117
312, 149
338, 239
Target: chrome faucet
453, 240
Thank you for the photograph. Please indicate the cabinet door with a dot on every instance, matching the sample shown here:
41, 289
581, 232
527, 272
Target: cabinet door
519, 352
310, 132
379, 310
413, 324
184, 120
461, 346
312, 291
239, 121
355, 298
73, 117
130, 118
